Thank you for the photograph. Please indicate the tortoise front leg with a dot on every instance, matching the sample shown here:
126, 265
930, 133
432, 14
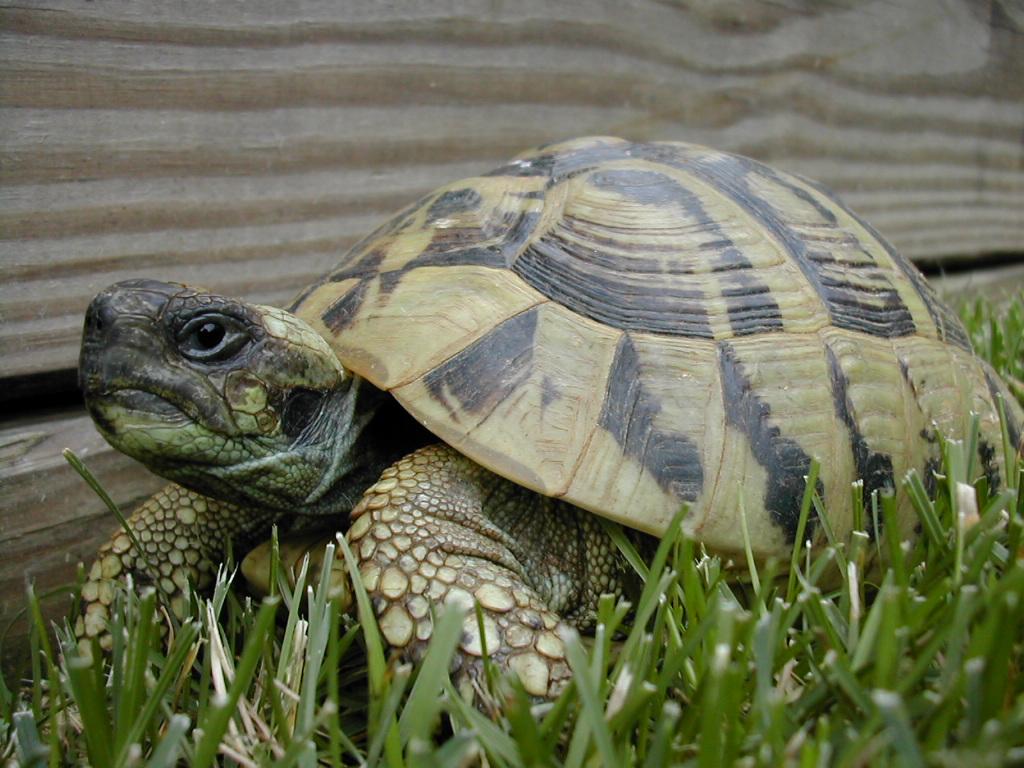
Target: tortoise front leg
438, 528
183, 537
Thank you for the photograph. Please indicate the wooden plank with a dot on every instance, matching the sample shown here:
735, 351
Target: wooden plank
995, 284
50, 520
245, 145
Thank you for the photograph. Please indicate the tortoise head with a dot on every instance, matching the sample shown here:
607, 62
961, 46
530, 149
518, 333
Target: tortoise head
235, 400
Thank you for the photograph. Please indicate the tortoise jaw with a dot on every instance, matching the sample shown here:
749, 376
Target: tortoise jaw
148, 402
121, 408
122, 415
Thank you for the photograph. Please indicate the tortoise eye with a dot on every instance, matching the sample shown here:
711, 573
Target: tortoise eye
212, 338
209, 335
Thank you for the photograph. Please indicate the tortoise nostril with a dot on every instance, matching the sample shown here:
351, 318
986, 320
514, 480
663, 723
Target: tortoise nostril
100, 316
94, 323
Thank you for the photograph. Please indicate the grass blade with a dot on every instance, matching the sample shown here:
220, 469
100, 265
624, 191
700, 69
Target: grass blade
423, 706
221, 711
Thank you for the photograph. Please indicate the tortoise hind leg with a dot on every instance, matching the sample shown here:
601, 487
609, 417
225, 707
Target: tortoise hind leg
438, 528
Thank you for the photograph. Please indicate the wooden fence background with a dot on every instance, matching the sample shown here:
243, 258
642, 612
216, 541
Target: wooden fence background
244, 145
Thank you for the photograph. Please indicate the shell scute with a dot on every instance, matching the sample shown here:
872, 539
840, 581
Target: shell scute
397, 333
526, 394
658, 440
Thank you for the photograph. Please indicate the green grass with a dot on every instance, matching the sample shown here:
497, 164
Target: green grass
918, 663
999, 338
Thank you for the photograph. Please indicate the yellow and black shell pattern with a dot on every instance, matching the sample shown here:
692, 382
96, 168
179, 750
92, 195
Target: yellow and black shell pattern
631, 327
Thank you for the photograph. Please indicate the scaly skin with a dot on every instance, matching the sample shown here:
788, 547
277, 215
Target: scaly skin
183, 536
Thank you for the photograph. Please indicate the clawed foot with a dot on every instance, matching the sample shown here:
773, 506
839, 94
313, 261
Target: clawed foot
515, 631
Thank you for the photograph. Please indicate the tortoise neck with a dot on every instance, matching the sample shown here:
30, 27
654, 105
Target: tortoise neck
372, 431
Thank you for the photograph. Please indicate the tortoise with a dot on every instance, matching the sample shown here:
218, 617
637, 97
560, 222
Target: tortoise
599, 328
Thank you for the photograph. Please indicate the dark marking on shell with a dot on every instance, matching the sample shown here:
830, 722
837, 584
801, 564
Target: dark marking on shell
930, 436
932, 467
583, 159
344, 309
933, 463
876, 309
461, 246
358, 263
948, 325
784, 460
749, 303
449, 246
989, 465
630, 413
489, 370
361, 260
905, 372
873, 467
665, 154
1013, 428
625, 298
365, 267
453, 202
549, 392
649, 188
645, 291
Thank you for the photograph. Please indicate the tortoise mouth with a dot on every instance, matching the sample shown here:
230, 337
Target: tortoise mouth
128, 407
145, 401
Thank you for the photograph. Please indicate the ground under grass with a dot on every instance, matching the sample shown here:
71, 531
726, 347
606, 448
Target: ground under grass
818, 661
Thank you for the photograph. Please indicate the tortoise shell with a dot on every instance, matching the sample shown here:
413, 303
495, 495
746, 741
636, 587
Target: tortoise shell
631, 327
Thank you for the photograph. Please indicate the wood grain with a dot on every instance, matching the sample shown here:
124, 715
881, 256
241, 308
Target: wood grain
244, 146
